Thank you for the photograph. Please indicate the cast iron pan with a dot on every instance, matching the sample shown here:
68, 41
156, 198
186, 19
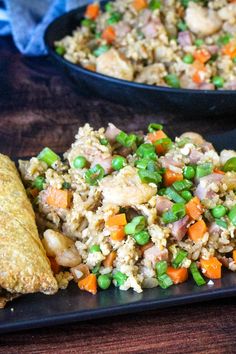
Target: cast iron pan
169, 102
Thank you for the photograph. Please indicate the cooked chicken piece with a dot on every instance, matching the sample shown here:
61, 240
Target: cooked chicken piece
194, 137
55, 243
201, 21
154, 254
112, 64
152, 74
228, 12
126, 188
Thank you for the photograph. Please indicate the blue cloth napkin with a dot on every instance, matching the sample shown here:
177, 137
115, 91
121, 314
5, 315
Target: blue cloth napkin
27, 20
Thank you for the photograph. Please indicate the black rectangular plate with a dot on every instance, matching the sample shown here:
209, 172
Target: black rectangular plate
38, 310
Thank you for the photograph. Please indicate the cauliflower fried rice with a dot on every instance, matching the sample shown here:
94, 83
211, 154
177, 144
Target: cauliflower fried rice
135, 210
176, 43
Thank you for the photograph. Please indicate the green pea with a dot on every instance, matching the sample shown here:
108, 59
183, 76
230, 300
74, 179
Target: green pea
60, 50
79, 162
182, 26
120, 278
218, 81
104, 142
188, 59
109, 6
39, 183
219, 211
96, 270
115, 17
199, 42
66, 185
94, 248
186, 195
142, 238
172, 80
88, 23
118, 162
154, 5
189, 172
101, 50
230, 165
104, 281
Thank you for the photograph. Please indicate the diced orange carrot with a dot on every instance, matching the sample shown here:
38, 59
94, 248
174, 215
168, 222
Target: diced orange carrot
153, 137
220, 172
234, 255
108, 261
89, 284
194, 208
58, 198
211, 267
197, 230
199, 74
230, 50
202, 55
116, 220
92, 11
178, 275
146, 247
109, 34
139, 4
90, 67
170, 177
118, 234
56, 268
34, 192
199, 66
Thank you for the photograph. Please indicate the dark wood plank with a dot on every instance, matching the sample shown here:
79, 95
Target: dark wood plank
39, 108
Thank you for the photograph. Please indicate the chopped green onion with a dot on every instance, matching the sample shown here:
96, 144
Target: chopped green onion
199, 280
232, 215
162, 191
189, 172
96, 270
182, 26
188, 59
221, 223
149, 176
218, 81
173, 195
199, 42
48, 156
218, 211
136, 225
79, 162
165, 281
204, 170
225, 39
115, 17
153, 127
230, 165
185, 3
234, 60
146, 150
39, 183
60, 50
182, 142
94, 174
86, 22
178, 210
154, 5
120, 278
104, 142
186, 195
146, 164
125, 139
169, 217
179, 258
104, 281
101, 50
94, 248
181, 185
165, 142
161, 268
142, 237
172, 80
66, 185
98, 35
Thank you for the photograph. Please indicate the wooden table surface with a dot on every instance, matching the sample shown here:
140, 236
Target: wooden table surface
38, 108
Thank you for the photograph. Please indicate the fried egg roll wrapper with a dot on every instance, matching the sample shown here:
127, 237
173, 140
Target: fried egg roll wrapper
24, 266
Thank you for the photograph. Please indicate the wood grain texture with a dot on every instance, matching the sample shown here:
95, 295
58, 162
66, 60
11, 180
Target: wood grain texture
39, 108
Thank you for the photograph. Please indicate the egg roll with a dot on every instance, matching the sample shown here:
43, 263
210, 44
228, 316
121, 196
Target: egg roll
24, 266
